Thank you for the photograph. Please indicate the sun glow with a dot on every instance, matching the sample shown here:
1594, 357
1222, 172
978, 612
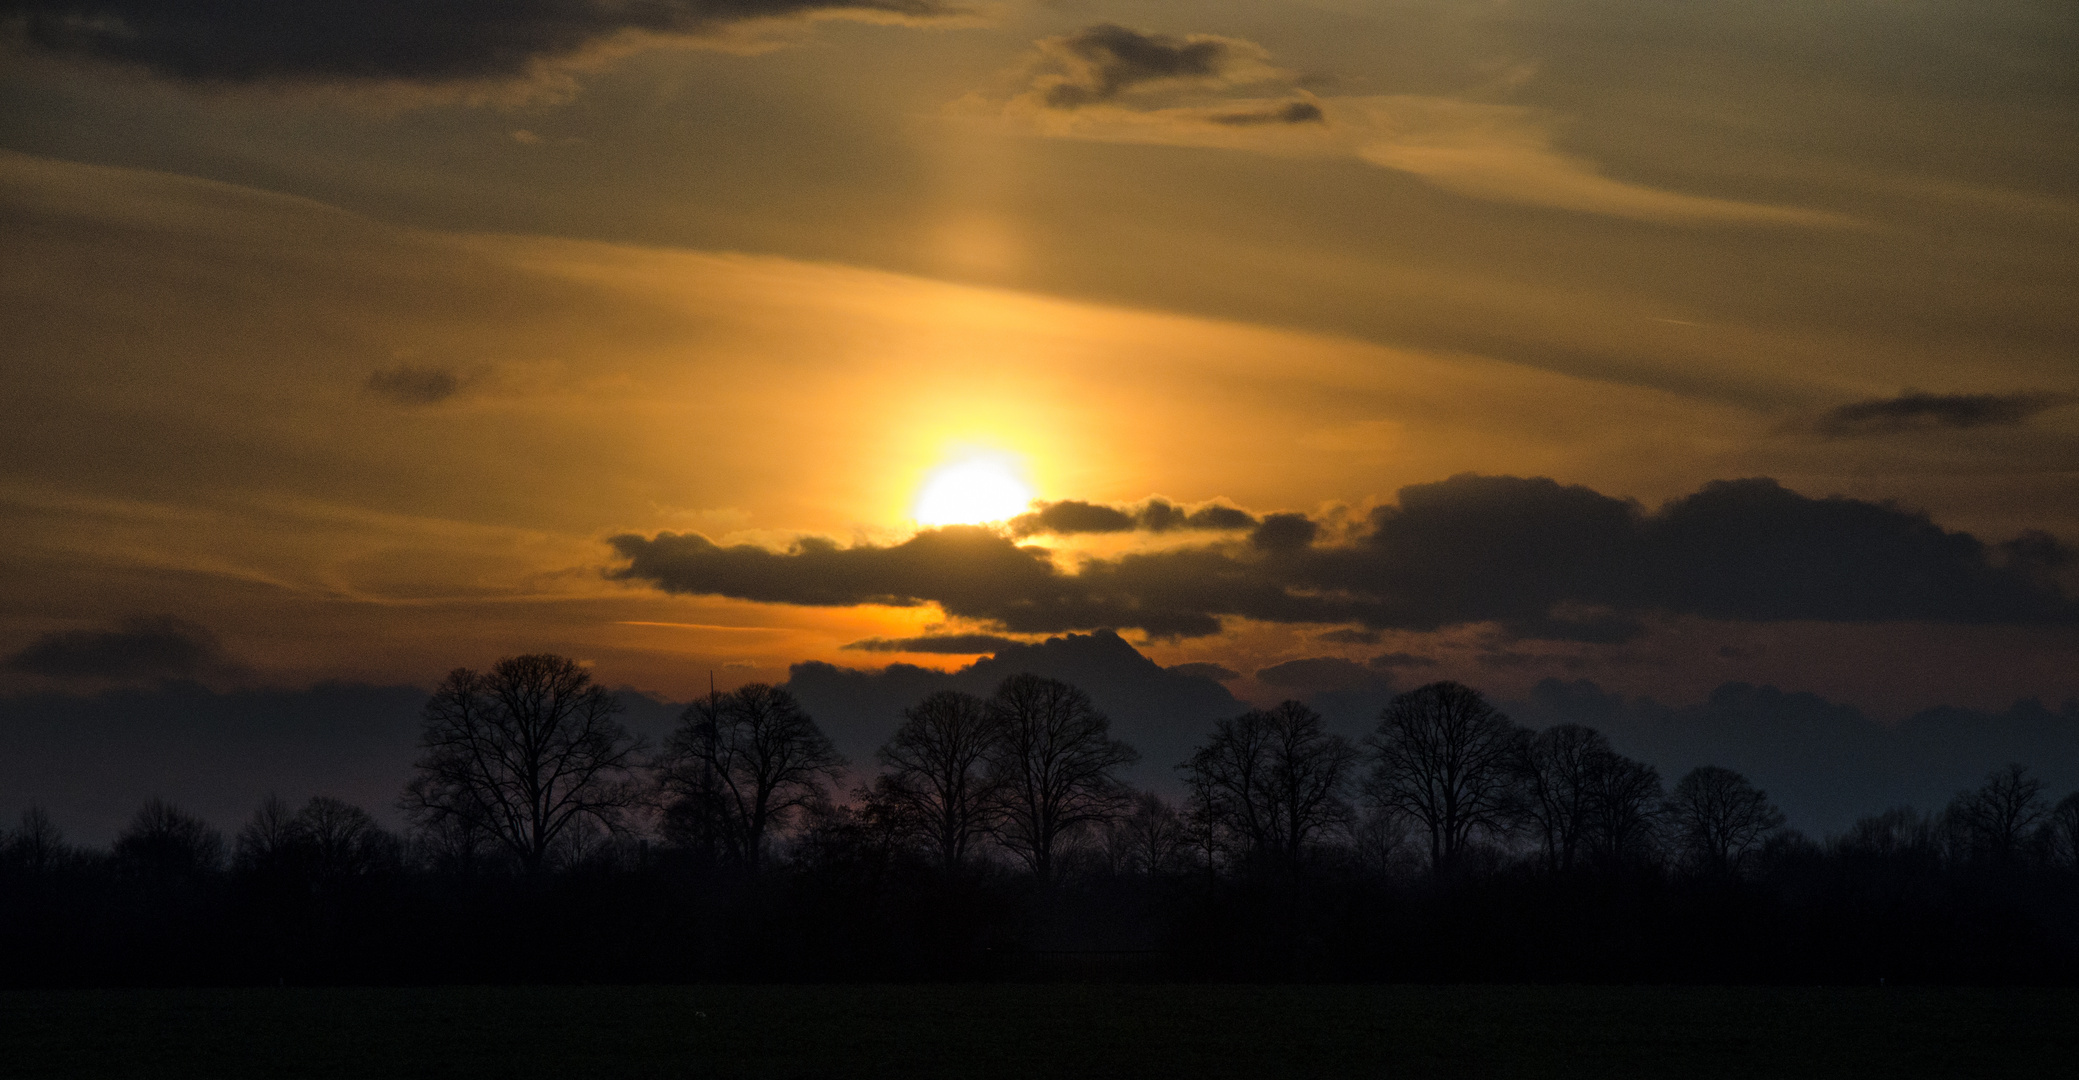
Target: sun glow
973, 491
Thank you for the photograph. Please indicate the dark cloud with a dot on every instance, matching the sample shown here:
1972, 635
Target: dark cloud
160, 647
1201, 670
340, 41
952, 644
1073, 516
1915, 411
970, 572
1110, 59
1350, 635
1823, 762
1284, 532
407, 385
1156, 515
1542, 560
1389, 661
1295, 112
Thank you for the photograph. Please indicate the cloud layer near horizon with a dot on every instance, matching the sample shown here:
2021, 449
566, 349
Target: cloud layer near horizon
1541, 559
92, 759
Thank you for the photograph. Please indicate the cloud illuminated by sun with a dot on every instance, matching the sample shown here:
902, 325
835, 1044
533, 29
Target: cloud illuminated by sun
971, 491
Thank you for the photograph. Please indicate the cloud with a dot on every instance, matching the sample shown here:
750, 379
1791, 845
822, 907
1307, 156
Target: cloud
1111, 84
366, 41
952, 644
1295, 112
1350, 635
1284, 532
1916, 411
1508, 153
1103, 61
1388, 661
1073, 516
158, 647
408, 385
1540, 559
1315, 673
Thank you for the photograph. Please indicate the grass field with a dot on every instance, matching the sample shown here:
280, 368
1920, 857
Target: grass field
1008, 1031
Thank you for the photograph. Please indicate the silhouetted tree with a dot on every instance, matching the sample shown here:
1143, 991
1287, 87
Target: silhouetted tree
1556, 778
937, 776
740, 765
1276, 779
2064, 831
163, 841
1625, 801
1995, 821
1444, 757
523, 753
1054, 766
343, 840
1380, 842
270, 840
1899, 831
1152, 837
35, 846
451, 846
1720, 817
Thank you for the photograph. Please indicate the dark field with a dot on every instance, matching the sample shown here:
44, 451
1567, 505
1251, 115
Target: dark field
773, 1032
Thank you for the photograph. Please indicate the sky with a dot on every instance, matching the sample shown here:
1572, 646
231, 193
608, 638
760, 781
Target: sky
1328, 347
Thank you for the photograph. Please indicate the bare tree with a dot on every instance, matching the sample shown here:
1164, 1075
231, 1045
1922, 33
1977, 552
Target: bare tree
328, 839
741, 764
2063, 825
35, 846
1720, 818
523, 753
1381, 841
343, 840
1054, 765
270, 839
1994, 822
1444, 756
1900, 835
452, 846
1153, 837
164, 841
1276, 779
1555, 781
937, 776
1625, 801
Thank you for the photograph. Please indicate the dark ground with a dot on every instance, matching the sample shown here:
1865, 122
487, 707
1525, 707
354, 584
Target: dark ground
1058, 1030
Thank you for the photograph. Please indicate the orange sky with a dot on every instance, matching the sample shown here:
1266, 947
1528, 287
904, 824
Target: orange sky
360, 373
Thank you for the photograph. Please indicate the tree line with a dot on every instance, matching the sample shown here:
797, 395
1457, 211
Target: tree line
997, 832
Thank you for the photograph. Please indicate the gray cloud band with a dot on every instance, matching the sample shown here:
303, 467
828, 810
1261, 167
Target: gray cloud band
143, 648
1541, 559
422, 41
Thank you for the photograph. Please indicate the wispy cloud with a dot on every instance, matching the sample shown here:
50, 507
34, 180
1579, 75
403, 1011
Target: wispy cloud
1916, 411
1108, 83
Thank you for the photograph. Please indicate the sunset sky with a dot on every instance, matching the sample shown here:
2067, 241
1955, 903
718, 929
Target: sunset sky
1656, 344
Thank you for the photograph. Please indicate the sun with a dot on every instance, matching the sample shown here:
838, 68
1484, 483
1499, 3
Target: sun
972, 491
